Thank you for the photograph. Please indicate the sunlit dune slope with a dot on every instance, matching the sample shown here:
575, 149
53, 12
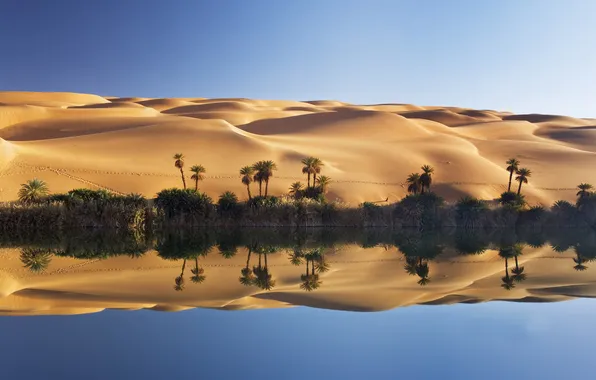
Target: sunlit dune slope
126, 144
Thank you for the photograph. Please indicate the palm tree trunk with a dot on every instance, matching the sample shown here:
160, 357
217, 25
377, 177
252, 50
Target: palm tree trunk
516, 264
266, 186
260, 188
519, 188
197, 264
183, 266
183, 179
510, 177
248, 190
314, 179
197, 184
248, 258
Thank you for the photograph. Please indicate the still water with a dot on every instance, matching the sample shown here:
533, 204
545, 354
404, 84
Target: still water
295, 304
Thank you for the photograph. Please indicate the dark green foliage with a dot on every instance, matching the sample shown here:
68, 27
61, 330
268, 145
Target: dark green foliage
175, 202
471, 241
263, 202
419, 210
471, 212
509, 198
182, 244
315, 193
228, 203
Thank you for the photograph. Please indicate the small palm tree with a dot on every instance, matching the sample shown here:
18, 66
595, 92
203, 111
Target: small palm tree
512, 167
507, 281
258, 170
296, 189
36, 260
584, 189
426, 177
323, 183
410, 266
198, 174
422, 271
179, 163
179, 281
312, 166
307, 168
33, 191
414, 185
247, 173
246, 274
522, 177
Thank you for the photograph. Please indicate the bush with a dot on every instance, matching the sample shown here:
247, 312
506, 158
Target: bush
509, 198
262, 201
419, 210
471, 212
314, 193
228, 202
176, 202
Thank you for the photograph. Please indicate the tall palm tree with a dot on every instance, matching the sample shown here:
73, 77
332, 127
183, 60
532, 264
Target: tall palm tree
312, 166
198, 174
179, 163
584, 189
410, 266
414, 185
307, 168
296, 189
179, 281
35, 259
33, 191
247, 173
263, 277
258, 170
323, 182
512, 167
198, 276
264, 171
522, 177
426, 177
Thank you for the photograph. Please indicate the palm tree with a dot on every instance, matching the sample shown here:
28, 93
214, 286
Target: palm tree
179, 163
247, 174
296, 189
307, 168
522, 177
35, 259
263, 277
179, 281
198, 172
518, 272
296, 257
410, 266
33, 191
197, 272
579, 261
258, 169
584, 189
323, 182
414, 184
422, 271
246, 275
512, 167
507, 281
426, 177
312, 165
264, 171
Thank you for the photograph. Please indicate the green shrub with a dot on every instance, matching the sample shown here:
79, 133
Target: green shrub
227, 202
509, 198
262, 201
471, 212
176, 202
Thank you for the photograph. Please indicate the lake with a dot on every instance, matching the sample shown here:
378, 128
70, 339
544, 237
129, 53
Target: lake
292, 304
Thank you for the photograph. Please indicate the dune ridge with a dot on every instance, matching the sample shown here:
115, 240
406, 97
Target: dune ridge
126, 144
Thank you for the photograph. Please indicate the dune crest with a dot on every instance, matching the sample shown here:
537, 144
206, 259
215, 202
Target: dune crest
126, 144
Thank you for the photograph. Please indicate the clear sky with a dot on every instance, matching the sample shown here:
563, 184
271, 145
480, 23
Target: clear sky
484, 341
518, 55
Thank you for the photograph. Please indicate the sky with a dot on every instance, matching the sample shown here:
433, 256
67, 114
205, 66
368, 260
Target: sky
522, 56
484, 341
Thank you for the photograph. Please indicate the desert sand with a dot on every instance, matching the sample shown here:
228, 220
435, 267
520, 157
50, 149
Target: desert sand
358, 279
126, 145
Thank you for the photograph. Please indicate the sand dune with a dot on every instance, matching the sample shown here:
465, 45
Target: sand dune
358, 279
126, 144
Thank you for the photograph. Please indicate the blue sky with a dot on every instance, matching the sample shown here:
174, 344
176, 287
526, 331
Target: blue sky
523, 56
485, 341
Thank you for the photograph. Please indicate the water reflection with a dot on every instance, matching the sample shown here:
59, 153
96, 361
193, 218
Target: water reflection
248, 252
